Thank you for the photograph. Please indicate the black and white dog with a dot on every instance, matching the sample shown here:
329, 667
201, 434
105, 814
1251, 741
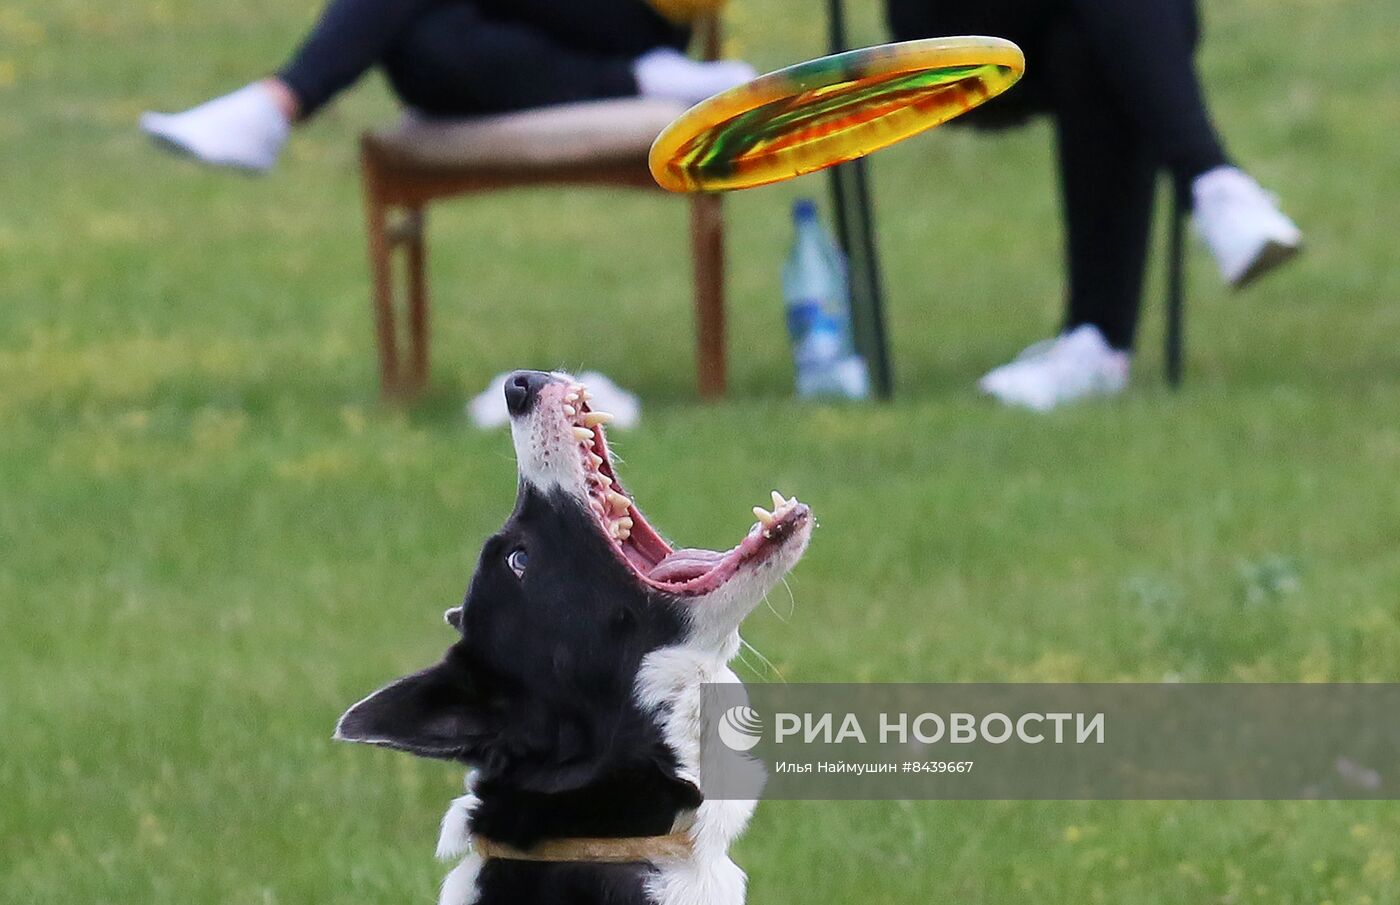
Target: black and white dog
574, 692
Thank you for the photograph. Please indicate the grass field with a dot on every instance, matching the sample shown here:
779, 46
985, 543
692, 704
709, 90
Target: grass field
212, 538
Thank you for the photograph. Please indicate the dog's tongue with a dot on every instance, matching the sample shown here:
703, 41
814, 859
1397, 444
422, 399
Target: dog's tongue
683, 565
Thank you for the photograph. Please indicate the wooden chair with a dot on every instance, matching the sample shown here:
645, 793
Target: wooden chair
601, 143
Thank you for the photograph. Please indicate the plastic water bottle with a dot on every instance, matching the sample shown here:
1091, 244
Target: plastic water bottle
819, 312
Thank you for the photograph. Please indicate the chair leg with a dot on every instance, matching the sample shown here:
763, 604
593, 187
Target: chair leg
707, 248
376, 225
414, 228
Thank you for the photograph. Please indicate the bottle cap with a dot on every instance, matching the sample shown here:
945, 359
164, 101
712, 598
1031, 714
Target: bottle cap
804, 209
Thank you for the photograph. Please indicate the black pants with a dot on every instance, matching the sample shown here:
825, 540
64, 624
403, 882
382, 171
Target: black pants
455, 57
1119, 79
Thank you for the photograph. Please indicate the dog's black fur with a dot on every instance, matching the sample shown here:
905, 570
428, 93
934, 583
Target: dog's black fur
538, 695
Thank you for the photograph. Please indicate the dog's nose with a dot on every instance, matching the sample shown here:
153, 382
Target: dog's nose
522, 389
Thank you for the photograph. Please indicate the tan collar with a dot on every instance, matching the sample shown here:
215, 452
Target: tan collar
634, 849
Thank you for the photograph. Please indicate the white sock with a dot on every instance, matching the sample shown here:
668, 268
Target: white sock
245, 129
668, 74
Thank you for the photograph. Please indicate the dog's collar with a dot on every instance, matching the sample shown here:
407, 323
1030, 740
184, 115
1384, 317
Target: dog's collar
624, 850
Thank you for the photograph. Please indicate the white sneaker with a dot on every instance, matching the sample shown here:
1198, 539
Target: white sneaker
669, 74
1074, 365
245, 129
1242, 225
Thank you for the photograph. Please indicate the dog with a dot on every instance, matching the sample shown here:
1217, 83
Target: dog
574, 691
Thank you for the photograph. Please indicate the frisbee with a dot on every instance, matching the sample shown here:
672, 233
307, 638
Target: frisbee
827, 111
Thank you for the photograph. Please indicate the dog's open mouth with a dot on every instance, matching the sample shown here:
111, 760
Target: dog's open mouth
683, 571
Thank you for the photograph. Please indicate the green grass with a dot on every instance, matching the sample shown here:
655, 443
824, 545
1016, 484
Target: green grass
212, 538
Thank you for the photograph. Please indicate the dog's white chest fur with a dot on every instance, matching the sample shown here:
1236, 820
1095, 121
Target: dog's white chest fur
671, 684
454, 841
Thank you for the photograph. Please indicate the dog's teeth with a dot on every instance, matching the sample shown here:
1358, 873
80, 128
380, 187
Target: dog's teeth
593, 419
778, 501
618, 502
596, 460
571, 397
583, 434
764, 516
570, 411
625, 522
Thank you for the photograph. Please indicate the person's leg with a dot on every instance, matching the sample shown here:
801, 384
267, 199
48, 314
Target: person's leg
454, 60
1141, 56
1145, 52
457, 60
1106, 169
1106, 185
349, 39
627, 28
1107, 178
632, 29
446, 57
1021, 21
247, 128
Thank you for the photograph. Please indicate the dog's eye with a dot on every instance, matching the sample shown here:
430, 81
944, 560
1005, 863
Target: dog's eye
518, 560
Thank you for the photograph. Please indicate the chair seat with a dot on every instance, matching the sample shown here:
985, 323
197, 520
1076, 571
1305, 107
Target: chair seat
592, 132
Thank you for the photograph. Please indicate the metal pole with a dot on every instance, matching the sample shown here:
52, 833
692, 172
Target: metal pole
875, 343
851, 204
1175, 279
836, 41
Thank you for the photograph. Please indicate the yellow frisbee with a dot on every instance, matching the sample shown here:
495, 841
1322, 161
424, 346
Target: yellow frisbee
827, 111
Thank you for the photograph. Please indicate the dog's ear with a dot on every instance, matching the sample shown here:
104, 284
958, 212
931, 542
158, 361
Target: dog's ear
433, 713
